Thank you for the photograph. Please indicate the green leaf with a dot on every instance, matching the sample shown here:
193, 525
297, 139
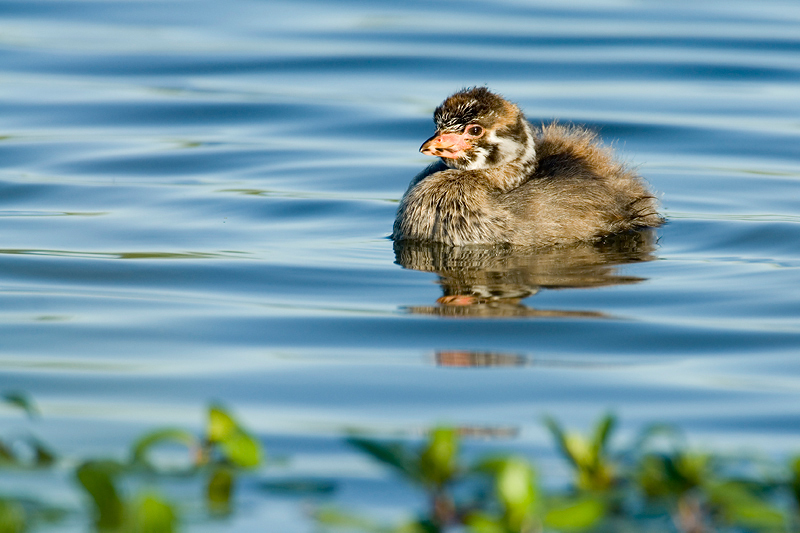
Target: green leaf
438, 461
515, 484
739, 506
97, 478
581, 451
142, 446
393, 454
594, 471
491, 464
236, 444
242, 450
795, 479
561, 440
153, 515
220, 490
653, 477
693, 468
601, 435
758, 515
515, 488
220, 424
22, 401
575, 514
12, 517
6, 454
43, 455
483, 523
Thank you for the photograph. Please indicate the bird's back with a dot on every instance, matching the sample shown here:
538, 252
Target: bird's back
577, 192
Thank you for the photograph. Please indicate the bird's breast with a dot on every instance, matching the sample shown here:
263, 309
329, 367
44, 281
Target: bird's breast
451, 208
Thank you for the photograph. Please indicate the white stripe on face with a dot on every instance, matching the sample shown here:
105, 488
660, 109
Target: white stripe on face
478, 159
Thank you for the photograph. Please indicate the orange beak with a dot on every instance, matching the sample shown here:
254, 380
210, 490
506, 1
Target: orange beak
450, 145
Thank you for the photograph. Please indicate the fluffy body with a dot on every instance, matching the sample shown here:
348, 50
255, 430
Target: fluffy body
515, 185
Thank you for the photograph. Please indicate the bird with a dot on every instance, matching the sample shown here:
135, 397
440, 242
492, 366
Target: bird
499, 180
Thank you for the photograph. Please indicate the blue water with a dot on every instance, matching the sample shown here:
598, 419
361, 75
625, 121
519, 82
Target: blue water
195, 199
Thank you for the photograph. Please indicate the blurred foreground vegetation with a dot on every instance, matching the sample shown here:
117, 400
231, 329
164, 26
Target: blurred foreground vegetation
657, 484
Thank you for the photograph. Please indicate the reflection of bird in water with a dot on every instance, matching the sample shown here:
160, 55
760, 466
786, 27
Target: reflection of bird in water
498, 181
471, 359
492, 280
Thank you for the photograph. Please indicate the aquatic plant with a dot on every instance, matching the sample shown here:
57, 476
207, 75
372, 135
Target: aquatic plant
218, 457
504, 496
656, 484
645, 487
225, 449
18, 456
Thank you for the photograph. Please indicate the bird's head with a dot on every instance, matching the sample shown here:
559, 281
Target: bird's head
477, 129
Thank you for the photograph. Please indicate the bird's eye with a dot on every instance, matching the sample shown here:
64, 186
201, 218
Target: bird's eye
474, 130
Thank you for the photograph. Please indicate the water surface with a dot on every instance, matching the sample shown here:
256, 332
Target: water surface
195, 199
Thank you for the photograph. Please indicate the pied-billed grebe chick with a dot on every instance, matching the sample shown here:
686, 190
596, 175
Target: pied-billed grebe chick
498, 181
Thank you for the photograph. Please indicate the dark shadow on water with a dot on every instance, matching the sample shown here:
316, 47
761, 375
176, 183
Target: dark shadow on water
492, 280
